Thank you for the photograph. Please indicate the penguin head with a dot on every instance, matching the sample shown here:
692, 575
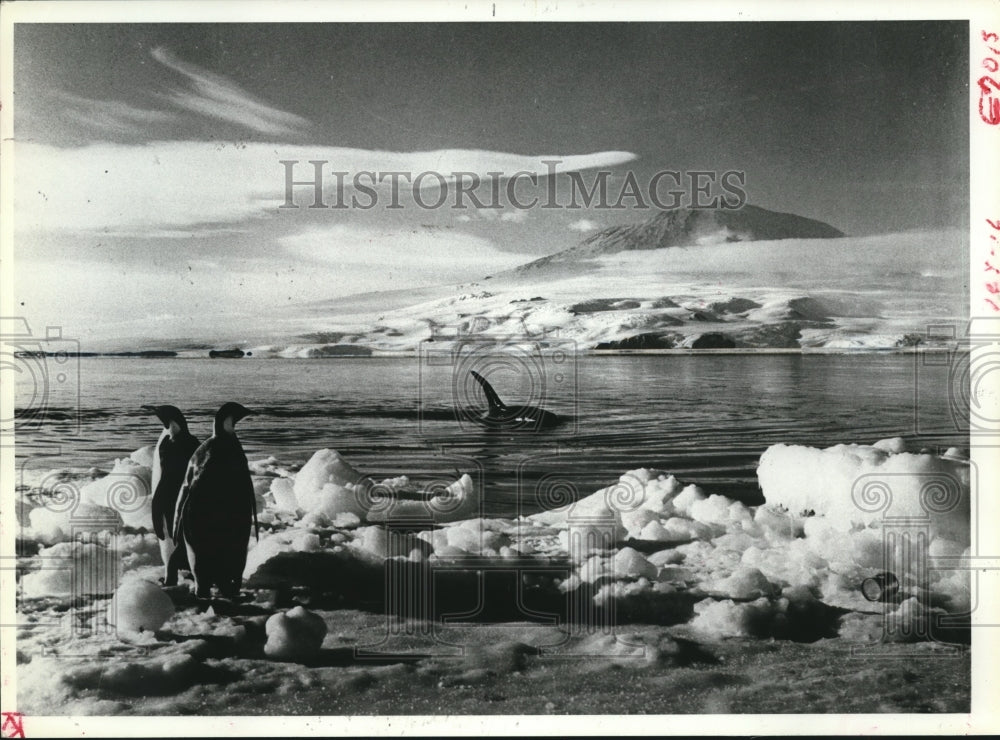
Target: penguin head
227, 416
170, 416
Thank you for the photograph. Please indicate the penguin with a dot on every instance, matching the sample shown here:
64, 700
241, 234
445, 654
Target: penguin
170, 460
501, 416
216, 507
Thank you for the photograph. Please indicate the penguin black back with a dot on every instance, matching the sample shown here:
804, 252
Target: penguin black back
170, 460
216, 507
173, 451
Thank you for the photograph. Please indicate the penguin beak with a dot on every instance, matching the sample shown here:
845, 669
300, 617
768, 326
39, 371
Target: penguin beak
155, 410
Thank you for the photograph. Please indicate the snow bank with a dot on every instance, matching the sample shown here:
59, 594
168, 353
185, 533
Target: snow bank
654, 548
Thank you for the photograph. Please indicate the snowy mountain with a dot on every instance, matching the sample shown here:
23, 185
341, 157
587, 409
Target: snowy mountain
688, 227
681, 280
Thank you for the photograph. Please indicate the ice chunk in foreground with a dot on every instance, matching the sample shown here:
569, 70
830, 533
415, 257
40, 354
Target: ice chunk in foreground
743, 583
630, 563
72, 568
283, 491
50, 525
295, 635
139, 606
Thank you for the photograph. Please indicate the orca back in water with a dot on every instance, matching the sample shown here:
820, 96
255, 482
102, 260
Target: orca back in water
502, 416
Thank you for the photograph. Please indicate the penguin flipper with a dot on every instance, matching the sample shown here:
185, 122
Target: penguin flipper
253, 508
496, 405
182, 500
178, 561
159, 517
179, 513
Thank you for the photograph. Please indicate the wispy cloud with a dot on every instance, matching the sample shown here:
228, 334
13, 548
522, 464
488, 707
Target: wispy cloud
503, 215
110, 116
169, 185
583, 224
217, 97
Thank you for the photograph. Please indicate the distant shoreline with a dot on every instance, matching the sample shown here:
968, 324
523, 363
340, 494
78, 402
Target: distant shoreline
374, 353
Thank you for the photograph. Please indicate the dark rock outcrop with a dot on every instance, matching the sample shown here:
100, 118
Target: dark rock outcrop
649, 340
713, 341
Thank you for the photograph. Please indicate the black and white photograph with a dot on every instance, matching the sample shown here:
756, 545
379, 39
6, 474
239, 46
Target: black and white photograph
481, 361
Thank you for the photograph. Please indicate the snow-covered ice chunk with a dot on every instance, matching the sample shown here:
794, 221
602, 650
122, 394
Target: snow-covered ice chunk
852, 485
458, 501
126, 490
378, 543
683, 501
659, 494
622, 590
777, 523
314, 520
743, 583
71, 568
325, 483
139, 606
719, 511
472, 537
892, 444
682, 529
609, 503
144, 456
630, 563
346, 520
305, 541
50, 525
594, 568
635, 521
295, 635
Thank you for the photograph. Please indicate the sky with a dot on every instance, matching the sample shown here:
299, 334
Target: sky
147, 159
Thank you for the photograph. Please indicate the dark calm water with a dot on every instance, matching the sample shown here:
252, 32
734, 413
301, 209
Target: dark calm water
705, 418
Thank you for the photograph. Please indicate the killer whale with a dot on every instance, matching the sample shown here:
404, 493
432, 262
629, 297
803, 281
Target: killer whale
502, 416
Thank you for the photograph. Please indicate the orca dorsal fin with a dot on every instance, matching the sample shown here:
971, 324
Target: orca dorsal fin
496, 405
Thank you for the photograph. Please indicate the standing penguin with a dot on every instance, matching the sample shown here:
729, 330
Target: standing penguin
170, 460
216, 507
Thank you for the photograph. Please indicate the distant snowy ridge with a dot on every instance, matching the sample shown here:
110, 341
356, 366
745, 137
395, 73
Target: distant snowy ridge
851, 293
684, 280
